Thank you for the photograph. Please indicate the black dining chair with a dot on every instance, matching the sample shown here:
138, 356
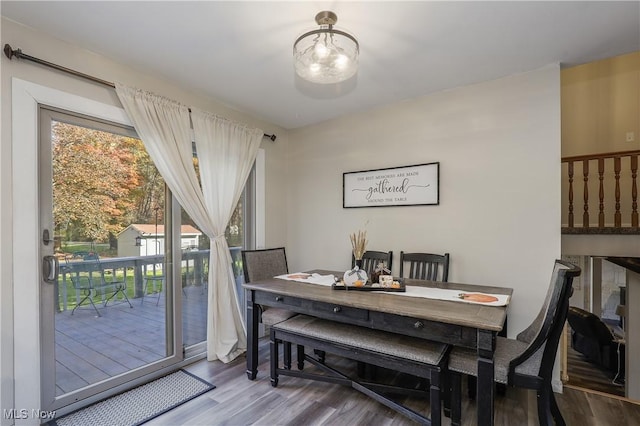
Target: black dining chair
264, 264
425, 266
371, 259
526, 361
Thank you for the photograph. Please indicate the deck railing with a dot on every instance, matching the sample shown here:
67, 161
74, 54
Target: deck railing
613, 177
194, 269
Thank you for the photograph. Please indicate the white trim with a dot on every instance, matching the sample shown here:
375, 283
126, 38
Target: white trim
26, 96
260, 199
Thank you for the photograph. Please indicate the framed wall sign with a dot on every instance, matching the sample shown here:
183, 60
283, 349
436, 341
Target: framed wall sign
398, 186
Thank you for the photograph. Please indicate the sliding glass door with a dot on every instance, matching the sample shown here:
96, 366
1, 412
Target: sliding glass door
113, 243
106, 307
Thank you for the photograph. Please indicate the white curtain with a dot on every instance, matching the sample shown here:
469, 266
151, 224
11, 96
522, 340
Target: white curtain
226, 152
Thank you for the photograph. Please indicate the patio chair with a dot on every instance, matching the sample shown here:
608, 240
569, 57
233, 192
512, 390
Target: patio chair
89, 277
118, 286
80, 274
526, 361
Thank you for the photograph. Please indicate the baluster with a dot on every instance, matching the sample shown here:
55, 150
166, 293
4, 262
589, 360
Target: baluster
601, 177
570, 167
585, 173
634, 190
617, 215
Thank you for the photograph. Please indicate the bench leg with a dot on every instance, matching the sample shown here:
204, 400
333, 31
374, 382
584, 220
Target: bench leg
446, 392
435, 398
273, 359
366, 371
300, 357
287, 355
456, 398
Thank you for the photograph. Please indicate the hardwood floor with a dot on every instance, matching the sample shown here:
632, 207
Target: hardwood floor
584, 374
239, 401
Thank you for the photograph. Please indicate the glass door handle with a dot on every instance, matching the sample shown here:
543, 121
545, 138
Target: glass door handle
50, 268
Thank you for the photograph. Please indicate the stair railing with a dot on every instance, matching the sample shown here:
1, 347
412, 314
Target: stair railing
581, 163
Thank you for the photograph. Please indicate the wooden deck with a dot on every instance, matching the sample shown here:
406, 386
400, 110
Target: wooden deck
91, 348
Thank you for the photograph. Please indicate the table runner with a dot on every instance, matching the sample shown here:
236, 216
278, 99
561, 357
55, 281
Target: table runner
412, 291
455, 295
304, 277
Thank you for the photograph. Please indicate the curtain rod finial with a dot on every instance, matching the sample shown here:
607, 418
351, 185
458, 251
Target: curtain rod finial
8, 51
272, 137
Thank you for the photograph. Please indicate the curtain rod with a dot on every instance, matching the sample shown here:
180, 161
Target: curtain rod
10, 53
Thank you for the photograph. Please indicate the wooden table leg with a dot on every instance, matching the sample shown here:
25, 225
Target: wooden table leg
253, 315
485, 390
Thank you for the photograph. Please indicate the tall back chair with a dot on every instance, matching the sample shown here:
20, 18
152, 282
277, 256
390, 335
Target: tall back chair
425, 266
264, 264
371, 259
528, 360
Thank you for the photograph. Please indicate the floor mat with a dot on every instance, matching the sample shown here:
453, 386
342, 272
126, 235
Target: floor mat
141, 404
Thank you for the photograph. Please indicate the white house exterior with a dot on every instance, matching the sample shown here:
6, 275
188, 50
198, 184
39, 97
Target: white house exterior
152, 239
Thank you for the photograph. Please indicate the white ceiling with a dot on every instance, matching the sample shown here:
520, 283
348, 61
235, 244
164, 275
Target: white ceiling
240, 52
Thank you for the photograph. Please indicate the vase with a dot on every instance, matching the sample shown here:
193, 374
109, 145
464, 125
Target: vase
358, 263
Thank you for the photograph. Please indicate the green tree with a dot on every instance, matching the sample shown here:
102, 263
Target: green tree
149, 195
94, 174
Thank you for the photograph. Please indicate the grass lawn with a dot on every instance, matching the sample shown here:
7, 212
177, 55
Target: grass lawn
102, 249
101, 292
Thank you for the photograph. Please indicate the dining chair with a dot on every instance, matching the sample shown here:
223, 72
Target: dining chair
526, 361
371, 259
425, 266
264, 264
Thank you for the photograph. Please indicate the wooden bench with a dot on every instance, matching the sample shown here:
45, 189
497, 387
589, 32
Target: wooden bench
405, 354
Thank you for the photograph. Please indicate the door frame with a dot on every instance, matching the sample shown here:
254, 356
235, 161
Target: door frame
26, 273
25, 228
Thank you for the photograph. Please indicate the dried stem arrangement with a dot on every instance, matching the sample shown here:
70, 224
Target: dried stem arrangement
359, 244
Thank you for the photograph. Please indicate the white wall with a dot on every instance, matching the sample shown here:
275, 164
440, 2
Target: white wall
498, 144
40, 45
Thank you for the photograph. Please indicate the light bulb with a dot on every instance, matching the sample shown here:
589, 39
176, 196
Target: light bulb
321, 50
341, 61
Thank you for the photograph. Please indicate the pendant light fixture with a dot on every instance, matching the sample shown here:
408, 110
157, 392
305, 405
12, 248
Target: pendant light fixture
326, 55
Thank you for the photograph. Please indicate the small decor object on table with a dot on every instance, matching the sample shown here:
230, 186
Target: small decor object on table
354, 283
358, 245
380, 270
355, 277
385, 280
478, 297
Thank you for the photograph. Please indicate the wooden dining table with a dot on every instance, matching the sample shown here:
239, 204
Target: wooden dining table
458, 323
